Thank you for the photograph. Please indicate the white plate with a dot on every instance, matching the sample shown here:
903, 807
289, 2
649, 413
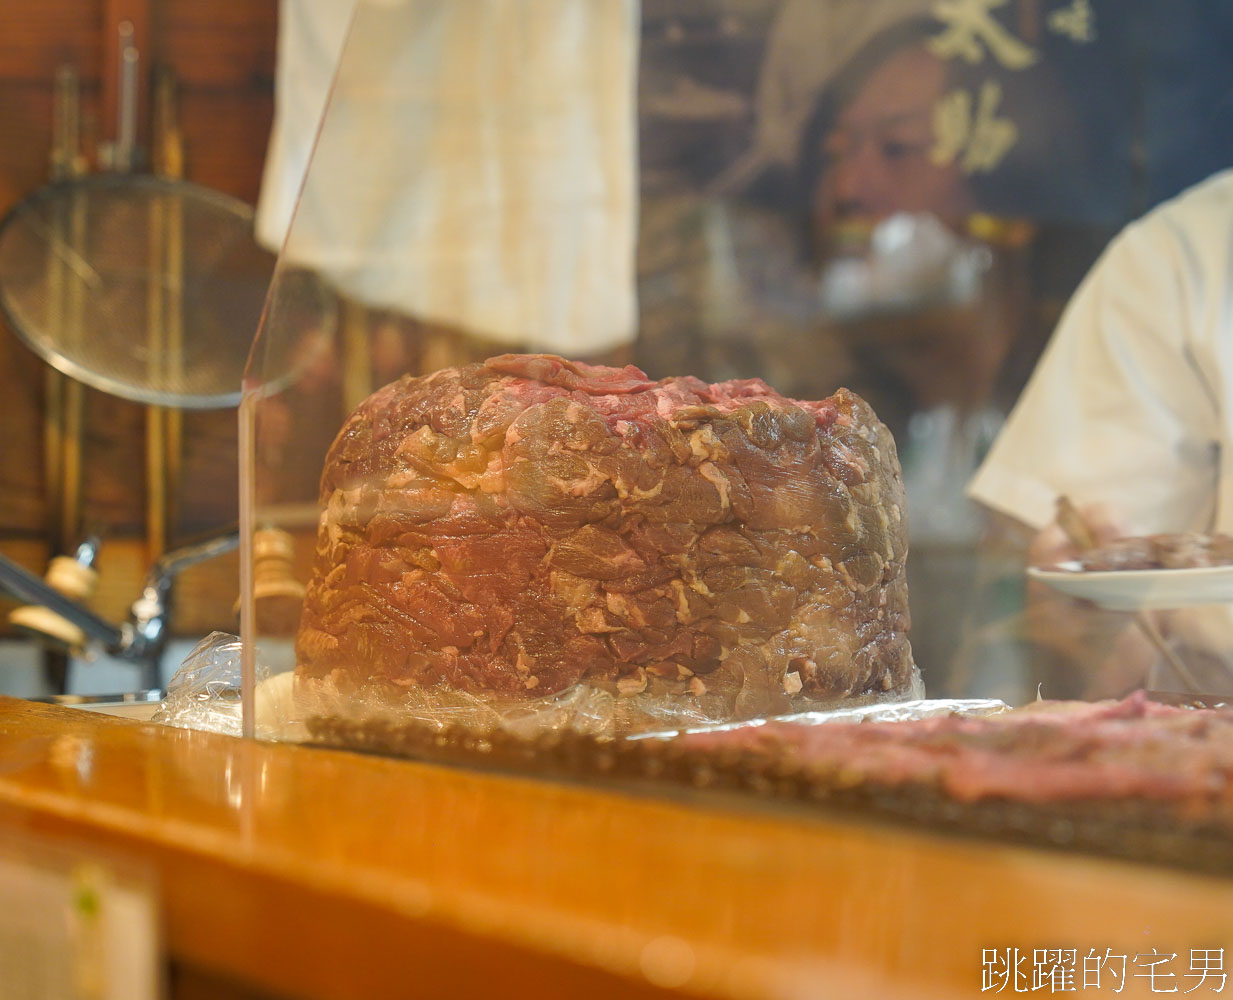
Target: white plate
1135, 589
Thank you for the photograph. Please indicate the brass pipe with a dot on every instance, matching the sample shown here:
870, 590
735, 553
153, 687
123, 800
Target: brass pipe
164, 323
170, 164
65, 401
156, 445
72, 449
53, 403
74, 400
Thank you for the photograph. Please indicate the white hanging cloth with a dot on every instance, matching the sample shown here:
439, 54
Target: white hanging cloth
477, 166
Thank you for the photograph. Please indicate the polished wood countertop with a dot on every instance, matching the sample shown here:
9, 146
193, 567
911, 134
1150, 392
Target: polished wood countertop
306, 872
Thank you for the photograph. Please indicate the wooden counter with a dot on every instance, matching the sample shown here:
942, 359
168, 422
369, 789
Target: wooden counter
294, 871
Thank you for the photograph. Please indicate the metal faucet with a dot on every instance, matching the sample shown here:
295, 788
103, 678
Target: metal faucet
144, 636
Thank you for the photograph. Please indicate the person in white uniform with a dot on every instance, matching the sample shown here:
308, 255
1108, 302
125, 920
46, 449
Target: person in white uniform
1130, 409
1130, 403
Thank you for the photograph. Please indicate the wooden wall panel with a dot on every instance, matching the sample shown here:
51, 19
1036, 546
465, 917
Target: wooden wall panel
223, 57
218, 45
39, 36
225, 137
25, 118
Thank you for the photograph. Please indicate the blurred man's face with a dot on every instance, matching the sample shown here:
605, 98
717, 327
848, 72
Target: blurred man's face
877, 155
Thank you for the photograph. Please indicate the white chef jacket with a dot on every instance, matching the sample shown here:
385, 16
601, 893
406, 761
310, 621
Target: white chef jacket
1130, 404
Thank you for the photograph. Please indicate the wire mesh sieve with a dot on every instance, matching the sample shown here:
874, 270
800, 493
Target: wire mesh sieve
145, 288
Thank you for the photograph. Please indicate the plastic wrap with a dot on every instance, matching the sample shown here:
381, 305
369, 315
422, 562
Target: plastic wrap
204, 693
882, 711
582, 709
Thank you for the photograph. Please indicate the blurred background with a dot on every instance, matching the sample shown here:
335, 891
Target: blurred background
898, 196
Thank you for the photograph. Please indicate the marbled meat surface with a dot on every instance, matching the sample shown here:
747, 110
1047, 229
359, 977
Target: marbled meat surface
522, 525
1048, 753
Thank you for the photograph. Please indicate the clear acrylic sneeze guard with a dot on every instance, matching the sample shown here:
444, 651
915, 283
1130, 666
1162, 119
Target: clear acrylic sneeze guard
815, 193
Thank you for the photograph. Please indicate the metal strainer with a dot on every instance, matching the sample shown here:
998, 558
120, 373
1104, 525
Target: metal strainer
143, 287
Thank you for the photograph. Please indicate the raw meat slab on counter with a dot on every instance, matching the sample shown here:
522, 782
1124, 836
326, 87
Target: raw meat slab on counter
1050, 752
519, 528
1130, 778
